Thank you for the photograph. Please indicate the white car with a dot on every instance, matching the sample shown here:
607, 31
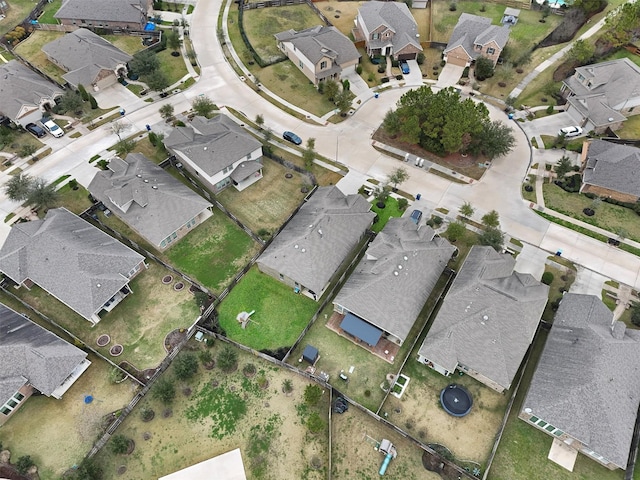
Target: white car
53, 128
570, 131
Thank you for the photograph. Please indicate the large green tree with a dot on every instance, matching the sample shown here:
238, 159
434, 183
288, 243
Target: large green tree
18, 187
623, 25
495, 140
144, 62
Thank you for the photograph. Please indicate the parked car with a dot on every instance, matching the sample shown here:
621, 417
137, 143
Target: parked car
570, 131
292, 137
404, 66
53, 128
35, 130
416, 216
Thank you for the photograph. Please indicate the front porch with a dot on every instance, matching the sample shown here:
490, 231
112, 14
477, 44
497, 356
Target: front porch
384, 349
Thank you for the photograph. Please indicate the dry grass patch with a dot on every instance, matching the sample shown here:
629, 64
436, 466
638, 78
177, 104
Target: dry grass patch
127, 43
346, 12
266, 424
31, 50
268, 202
58, 433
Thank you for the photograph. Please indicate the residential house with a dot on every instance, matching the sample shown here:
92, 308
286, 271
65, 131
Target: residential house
88, 59
77, 263
611, 170
585, 391
603, 95
317, 241
474, 36
392, 282
387, 29
487, 320
114, 14
321, 53
218, 152
152, 202
33, 360
24, 94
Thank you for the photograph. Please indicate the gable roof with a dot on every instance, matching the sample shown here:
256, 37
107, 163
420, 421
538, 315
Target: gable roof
395, 16
83, 54
613, 166
474, 30
391, 284
71, 259
587, 381
110, 11
20, 86
612, 83
146, 197
31, 354
311, 247
212, 144
318, 42
488, 318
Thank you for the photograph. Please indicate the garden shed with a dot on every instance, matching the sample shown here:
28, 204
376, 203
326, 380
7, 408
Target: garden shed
310, 354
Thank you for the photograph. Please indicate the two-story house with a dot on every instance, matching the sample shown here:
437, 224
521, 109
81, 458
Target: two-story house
474, 36
321, 53
387, 29
218, 152
603, 95
113, 14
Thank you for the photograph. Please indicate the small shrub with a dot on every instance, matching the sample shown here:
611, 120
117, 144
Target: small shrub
249, 369
359, 69
153, 138
547, 278
24, 463
453, 7
205, 356
381, 69
119, 444
287, 386
367, 393
312, 394
147, 414
403, 203
315, 423
185, 366
420, 58
437, 220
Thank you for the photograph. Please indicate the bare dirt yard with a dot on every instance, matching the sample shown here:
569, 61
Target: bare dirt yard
354, 435
215, 412
419, 412
58, 433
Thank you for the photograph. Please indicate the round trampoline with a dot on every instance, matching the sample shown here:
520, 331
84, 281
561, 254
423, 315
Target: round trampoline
456, 400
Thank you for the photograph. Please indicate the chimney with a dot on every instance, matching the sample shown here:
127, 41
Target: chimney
617, 330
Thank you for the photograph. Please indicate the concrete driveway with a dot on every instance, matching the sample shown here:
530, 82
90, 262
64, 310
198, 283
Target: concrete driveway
588, 282
414, 77
548, 125
531, 260
449, 76
356, 84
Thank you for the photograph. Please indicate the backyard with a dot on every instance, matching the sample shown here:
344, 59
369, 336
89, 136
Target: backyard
30, 49
215, 412
269, 202
279, 318
384, 214
15, 14
58, 433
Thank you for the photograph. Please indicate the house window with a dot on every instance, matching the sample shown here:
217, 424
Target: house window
491, 51
249, 156
281, 277
375, 36
300, 64
631, 109
534, 419
550, 428
323, 65
478, 47
558, 432
5, 410
18, 396
163, 243
542, 424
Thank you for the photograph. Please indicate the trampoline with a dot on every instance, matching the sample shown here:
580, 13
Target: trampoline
456, 400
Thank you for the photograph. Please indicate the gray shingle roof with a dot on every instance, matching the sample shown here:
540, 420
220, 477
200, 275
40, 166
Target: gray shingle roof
587, 382
212, 144
476, 30
394, 279
20, 86
613, 166
612, 84
318, 42
31, 354
71, 259
488, 318
317, 239
83, 54
394, 15
106, 11
146, 197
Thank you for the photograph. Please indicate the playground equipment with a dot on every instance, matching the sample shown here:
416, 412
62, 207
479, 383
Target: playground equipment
243, 318
389, 451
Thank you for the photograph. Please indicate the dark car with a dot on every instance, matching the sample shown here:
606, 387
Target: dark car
36, 130
416, 216
404, 66
292, 137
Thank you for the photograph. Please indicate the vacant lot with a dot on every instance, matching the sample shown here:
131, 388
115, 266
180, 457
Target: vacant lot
213, 252
353, 439
216, 412
279, 318
31, 50
58, 433
267, 203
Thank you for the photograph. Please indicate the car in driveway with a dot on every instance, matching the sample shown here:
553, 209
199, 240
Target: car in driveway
416, 216
570, 131
53, 128
404, 66
35, 130
292, 137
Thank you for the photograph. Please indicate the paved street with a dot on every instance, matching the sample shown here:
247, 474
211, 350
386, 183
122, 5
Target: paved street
350, 143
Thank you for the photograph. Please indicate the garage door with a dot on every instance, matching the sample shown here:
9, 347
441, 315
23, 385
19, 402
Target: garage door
407, 56
461, 62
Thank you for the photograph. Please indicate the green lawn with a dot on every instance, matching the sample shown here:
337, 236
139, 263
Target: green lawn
630, 128
49, 11
127, 43
18, 11
30, 49
608, 216
280, 315
172, 67
384, 214
213, 252
76, 201
561, 282
261, 24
